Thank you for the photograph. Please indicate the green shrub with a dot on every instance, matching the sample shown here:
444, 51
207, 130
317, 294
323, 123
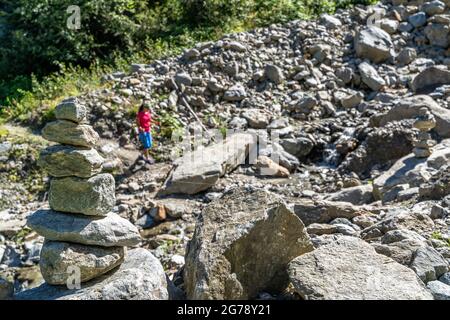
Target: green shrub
41, 60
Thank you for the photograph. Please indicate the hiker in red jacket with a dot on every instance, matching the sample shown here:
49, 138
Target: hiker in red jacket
144, 121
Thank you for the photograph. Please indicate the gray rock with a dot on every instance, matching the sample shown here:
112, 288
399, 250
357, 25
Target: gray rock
408, 108
370, 76
401, 234
140, 277
94, 196
418, 19
108, 231
389, 25
63, 161
274, 73
445, 278
235, 93
183, 79
350, 269
431, 78
239, 247
433, 7
411, 170
71, 110
92, 261
440, 290
257, 118
299, 147
438, 34
374, 44
68, 132
406, 56
428, 264
200, 169
330, 21
320, 211
355, 195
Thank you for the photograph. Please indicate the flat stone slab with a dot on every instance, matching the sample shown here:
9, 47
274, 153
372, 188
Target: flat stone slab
108, 231
94, 196
140, 277
198, 170
65, 161
92, 261
350, 269
71, 133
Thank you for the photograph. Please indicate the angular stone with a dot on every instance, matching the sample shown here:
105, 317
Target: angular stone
140, 277
241, 246
400, 219
200, 169
408, 108
440, 290
274, 73
370, 76
70, 110
68, 132
355, 195
235, 93
374, 44
428, 264
257, 118
430, 78
58, 257
320, 211
108, 231
94, 196
438, 34
64, 161
411, 170
350, 269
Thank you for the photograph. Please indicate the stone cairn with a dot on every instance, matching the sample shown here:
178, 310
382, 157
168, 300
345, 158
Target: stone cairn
83, 238
424, 122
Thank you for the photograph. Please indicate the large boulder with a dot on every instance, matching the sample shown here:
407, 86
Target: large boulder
380, 147
108, 231
430, 78
350, 269
94, 196
140, 277
91, 261
408, 108
64, 161
242, 245
200, 169
412, 171
374, 44
68, 132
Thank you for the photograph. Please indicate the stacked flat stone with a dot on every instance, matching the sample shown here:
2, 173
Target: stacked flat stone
82, 235
424, 144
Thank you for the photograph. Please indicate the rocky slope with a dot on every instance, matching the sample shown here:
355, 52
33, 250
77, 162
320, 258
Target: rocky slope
342, 93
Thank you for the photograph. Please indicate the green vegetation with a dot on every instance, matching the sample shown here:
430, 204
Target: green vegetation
438, 236
42, 60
